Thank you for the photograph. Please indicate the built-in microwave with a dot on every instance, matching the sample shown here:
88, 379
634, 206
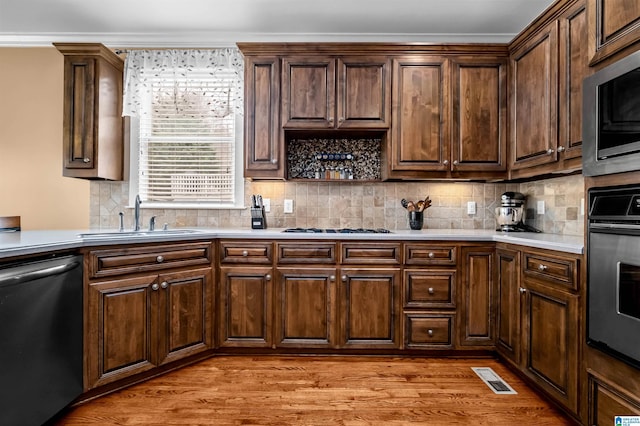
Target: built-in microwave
611, 118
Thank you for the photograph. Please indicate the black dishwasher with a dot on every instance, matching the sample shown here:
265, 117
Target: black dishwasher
40, 338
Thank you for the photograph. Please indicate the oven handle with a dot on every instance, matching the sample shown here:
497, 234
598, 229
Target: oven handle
615, 228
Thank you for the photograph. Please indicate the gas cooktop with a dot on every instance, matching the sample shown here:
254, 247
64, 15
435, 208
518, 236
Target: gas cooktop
339, 230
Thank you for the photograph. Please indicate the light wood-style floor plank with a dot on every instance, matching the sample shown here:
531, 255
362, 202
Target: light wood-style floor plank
350, 391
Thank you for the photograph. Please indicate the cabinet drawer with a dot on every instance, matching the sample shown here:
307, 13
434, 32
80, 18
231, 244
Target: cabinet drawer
608, 401
429, 289
371, 253
255, 253
423, 331
129, 260
312, 252
429, 254
551, 269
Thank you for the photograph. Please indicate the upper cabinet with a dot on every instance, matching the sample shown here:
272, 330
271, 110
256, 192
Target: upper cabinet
263, 155
320, 92
420, 135
449, 116
548, 63
93, 125
613, 26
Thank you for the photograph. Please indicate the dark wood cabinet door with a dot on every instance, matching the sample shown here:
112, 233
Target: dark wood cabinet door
573, 68
370, 308
613, 26
308, 92
364, 92
420, 138
185, 310
245, 307
550, 343
508, 298
93, 126
305, 311
479, 122
121, 330
263, 140
534, 100
477, 316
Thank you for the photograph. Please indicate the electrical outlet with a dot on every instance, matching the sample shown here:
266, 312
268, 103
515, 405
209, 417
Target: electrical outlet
288, 206
471, 207
540, 207
266, 202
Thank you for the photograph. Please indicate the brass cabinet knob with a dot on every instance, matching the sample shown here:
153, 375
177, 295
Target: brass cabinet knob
344, 278
431, 291
456, 162
430, 332
332, 277
164, 284
561, 149
155, 287
542, 267
86, 160
159, 259
445, 162
523, 290
431, 255
245, 253
267, 277
550, 151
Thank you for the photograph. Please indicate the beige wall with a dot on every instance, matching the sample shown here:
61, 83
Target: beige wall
31, 181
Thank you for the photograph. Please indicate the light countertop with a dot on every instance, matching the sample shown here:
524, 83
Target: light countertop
41, 242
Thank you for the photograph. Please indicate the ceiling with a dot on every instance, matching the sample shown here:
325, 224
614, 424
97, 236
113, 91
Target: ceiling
217, 23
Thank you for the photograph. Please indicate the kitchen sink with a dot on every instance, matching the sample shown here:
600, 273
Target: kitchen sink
133, 234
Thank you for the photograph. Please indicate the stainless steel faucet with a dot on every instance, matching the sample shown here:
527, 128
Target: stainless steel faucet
136, 214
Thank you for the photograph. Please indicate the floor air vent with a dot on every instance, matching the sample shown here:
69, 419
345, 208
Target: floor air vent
495, 382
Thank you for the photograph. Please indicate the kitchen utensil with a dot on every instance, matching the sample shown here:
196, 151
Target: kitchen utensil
416, 220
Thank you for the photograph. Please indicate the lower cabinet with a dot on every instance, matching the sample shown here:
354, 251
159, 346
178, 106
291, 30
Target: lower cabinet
539, 317
608, 401
476, 307
245, 307
369, 308
306, 312
136, 324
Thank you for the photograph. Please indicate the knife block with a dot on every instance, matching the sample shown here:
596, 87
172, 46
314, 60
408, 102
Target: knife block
258, 218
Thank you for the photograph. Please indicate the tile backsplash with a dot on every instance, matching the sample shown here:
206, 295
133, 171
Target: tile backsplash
368, 205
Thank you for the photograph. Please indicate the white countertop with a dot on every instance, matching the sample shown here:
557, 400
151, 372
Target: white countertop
40, 242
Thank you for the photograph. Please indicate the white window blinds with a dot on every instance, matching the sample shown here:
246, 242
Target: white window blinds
189, 128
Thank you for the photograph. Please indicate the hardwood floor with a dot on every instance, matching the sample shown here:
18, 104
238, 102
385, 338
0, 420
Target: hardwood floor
286, 390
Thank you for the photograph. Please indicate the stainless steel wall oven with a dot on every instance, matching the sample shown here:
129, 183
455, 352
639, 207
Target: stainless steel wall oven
613, 247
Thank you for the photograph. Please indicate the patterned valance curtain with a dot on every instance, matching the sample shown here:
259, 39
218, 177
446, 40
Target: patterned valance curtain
159, 76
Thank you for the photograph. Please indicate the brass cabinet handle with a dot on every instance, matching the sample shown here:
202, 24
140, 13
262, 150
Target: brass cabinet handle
159, 259
155, 287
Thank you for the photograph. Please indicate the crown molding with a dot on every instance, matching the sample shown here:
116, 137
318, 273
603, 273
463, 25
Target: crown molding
213, 39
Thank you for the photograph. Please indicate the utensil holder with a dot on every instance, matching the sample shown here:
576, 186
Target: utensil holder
416, 220
258, 218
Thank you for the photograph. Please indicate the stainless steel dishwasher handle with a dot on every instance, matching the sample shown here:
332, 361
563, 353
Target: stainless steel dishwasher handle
13, 279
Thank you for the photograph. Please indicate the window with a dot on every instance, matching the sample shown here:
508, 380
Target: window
186, 128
